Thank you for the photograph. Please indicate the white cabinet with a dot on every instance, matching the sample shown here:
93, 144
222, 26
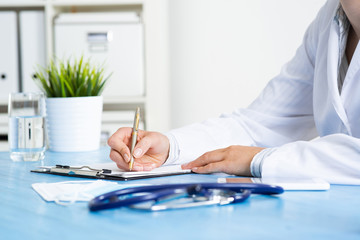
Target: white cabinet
32, 42
113, 39
8, 54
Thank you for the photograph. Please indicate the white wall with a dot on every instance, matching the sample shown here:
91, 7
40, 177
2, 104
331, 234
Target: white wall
223, 52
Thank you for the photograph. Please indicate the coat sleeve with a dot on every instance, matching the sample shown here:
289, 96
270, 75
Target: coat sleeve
334, 158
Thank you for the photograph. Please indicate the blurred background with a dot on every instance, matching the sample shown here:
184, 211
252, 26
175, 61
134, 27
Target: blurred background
182, 61
223, 52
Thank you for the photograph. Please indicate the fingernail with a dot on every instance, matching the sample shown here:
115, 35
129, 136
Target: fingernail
194, 169
137, 152
127, 159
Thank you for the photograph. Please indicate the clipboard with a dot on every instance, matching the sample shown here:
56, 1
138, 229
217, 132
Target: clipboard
110, 171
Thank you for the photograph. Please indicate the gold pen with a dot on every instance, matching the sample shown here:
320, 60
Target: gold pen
134, 136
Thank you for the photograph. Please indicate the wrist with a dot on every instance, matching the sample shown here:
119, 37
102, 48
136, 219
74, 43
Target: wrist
258, 160
173, 149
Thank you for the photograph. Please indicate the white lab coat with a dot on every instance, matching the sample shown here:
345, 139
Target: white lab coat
298, 105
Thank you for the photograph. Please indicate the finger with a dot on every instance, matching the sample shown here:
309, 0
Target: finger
142, 147
138, 167
141, 166
123, 167
118, 159
121, 148
206, 158
210, 168
122, 134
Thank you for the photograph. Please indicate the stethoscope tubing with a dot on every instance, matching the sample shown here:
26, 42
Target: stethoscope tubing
155, 192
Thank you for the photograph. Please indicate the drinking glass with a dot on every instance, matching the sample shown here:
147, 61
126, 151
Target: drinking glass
26, 135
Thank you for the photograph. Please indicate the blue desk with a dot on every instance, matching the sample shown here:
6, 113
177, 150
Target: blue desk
333, 214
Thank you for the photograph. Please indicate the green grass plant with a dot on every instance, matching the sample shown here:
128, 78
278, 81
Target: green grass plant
67, 79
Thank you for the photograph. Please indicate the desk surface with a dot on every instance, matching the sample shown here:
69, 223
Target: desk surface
333, 214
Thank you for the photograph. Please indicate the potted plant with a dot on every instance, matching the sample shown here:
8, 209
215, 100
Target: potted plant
73, 104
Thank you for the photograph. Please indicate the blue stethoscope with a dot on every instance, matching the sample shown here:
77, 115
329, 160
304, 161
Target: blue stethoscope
176, 196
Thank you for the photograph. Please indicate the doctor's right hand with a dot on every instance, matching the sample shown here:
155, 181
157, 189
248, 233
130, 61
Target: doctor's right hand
151, 150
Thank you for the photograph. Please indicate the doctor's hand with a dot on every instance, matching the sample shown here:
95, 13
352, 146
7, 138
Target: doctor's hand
234, 160
151, 150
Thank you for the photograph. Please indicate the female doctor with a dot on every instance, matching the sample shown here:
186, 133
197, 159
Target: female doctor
305, 123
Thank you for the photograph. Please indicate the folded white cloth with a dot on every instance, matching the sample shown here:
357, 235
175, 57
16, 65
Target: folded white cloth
68, 192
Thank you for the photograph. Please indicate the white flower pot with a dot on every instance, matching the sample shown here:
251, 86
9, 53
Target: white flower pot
74, 123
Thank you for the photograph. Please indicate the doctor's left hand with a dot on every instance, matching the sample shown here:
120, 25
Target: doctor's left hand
234, 160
